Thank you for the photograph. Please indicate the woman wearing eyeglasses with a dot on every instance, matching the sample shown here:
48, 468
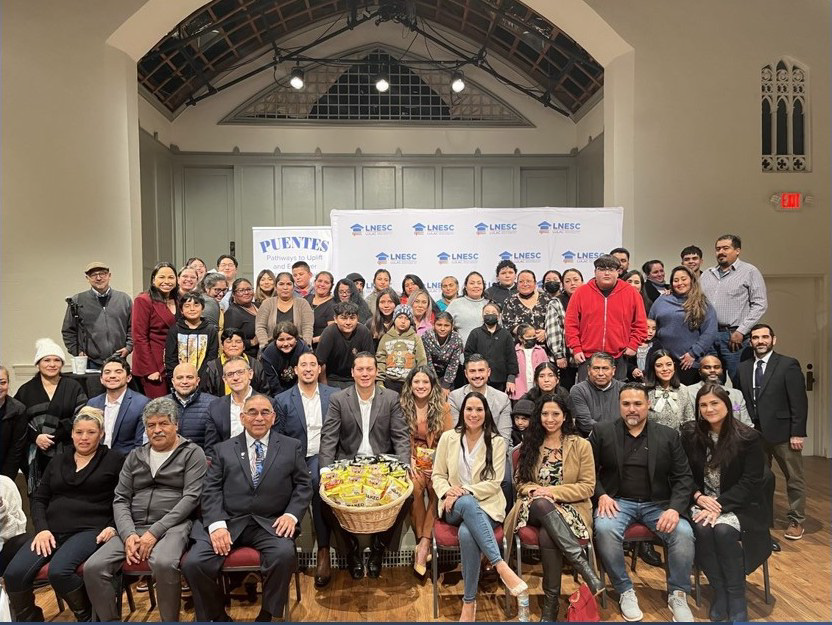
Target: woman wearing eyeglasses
242, 313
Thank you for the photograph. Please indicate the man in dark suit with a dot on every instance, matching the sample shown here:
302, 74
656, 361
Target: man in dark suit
775, 393
300, 414
642, 476
255, 494
364, 419
123, 426
224, 412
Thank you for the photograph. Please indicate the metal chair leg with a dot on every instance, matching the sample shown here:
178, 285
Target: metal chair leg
505, 551
697, 586
435, 576
603, 583
766, 583
151, 593
130, 601
517, 555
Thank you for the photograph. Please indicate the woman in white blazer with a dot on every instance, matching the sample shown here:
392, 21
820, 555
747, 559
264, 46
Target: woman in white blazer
467, 471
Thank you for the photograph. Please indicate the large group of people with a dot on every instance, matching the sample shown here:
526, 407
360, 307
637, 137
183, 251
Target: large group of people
575, 408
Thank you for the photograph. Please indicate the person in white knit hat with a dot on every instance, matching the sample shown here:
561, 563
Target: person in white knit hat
51, 402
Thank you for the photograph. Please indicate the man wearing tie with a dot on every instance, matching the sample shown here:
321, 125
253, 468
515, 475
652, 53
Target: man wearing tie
255, 494
300, 414
775, 393
364, 419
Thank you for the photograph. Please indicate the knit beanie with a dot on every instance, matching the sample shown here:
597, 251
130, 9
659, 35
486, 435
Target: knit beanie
524, 408
48, 347
404, 309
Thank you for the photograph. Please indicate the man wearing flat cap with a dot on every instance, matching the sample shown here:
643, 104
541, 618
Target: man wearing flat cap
97, 321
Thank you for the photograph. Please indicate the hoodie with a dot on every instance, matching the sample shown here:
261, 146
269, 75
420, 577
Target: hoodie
398, 354
197, 346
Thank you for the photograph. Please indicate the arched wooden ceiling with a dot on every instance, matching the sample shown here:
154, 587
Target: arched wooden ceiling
227, 34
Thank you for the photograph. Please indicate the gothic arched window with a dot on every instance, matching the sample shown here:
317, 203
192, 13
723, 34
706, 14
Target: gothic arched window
784, 110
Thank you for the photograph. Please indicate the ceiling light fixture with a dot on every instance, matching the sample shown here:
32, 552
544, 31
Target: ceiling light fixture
296, 78
382, 81
457, 82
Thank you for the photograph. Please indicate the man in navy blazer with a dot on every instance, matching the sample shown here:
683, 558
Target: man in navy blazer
255, 494
223, 420
775, 393
301, 411
123, 426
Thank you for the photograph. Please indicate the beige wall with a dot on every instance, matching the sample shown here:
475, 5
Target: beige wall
70, 189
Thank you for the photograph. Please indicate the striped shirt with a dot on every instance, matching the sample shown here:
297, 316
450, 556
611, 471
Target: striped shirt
738, 296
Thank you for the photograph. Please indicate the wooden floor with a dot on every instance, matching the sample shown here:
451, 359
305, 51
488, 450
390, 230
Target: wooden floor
800, 578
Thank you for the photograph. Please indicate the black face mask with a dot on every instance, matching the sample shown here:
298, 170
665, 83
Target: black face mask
490, 320
529, 343
552, 287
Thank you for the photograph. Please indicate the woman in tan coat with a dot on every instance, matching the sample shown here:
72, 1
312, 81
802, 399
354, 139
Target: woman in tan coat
555, 477
284, 306
428, 415
468, 467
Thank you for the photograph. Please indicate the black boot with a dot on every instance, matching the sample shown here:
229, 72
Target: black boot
563, 537
79, 603
23, 607
552, 569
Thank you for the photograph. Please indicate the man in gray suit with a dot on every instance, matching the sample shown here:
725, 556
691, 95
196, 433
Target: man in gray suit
255, 494
364, 419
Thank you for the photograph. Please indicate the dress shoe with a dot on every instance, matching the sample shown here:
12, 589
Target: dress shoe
649, 555
374, 562
263, 617
775, 545
323, 572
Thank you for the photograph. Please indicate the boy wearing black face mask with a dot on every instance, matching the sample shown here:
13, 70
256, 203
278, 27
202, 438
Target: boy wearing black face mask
496, 344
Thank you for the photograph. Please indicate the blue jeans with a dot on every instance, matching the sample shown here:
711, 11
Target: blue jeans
476, 535
731, 359
609, 536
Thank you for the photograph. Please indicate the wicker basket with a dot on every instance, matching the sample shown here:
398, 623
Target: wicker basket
370, 520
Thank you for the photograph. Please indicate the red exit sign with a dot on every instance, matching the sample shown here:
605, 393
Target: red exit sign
790, 201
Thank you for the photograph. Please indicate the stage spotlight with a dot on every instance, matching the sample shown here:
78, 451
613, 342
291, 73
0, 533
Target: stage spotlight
296, 79
457, 82
382, 82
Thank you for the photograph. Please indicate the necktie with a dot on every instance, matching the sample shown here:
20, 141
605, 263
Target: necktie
258, 462
758, 380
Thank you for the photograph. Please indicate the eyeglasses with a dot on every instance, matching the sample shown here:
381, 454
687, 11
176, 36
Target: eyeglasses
218, 291
98, 274
253, 412
246, 290
230, 375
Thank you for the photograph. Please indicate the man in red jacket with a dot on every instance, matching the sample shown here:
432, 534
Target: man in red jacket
605, 315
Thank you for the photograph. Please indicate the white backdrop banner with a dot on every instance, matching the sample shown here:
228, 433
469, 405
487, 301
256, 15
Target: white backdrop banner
277, 248
434, 243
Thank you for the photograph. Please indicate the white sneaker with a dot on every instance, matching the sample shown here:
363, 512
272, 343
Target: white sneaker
677, 601
629, 606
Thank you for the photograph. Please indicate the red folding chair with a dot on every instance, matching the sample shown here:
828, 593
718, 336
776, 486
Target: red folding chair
446, 538
247, 560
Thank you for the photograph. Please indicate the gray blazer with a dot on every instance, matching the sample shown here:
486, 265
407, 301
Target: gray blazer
341, 433
498, 403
